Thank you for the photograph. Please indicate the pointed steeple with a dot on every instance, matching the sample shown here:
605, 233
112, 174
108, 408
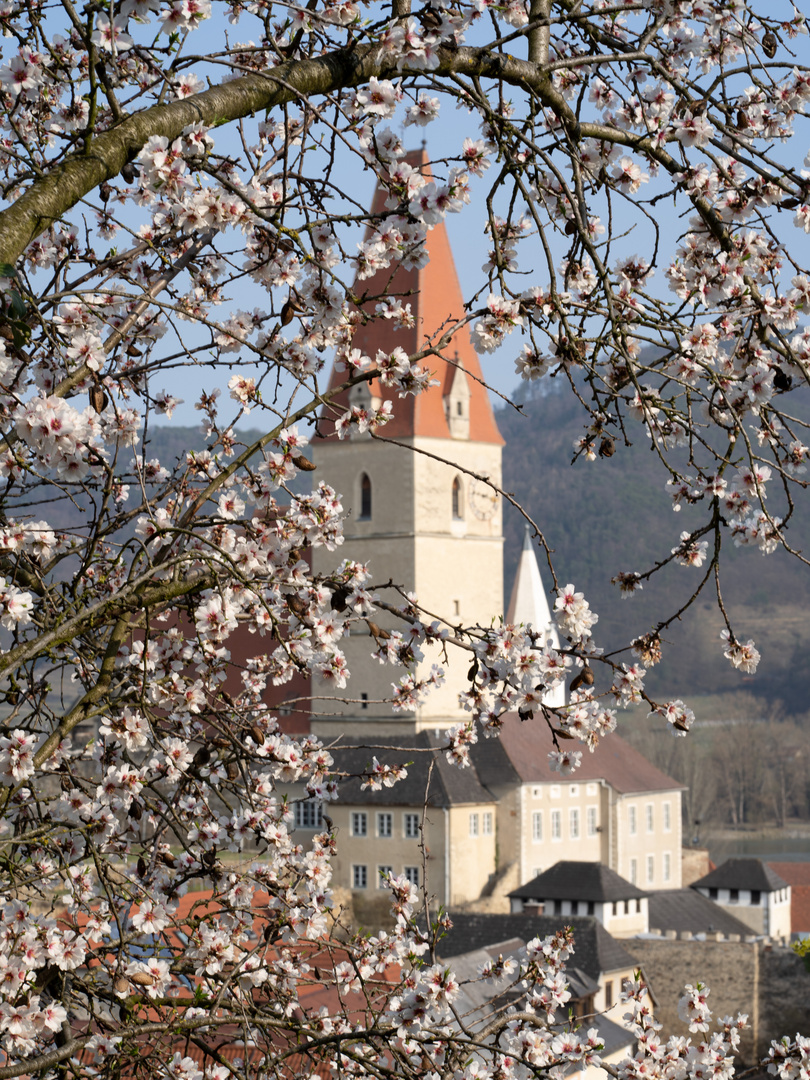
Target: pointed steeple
435, 297
529, 605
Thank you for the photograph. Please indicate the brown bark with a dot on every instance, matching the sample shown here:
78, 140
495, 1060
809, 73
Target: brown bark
49, 198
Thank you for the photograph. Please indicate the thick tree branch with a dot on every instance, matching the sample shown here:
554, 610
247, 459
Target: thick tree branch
48, 199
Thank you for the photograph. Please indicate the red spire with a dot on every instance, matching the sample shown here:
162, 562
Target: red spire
434, 294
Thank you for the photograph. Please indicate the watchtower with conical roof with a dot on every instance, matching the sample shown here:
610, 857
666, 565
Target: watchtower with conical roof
417, 514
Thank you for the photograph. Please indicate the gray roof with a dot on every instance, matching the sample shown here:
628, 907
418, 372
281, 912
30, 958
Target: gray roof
595, 951
741, 874
686, 909
568, 880
443, 785
491, 762
476, 998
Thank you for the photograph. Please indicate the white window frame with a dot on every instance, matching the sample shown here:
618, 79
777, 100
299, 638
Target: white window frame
359, 876
649, 817
632, 820
592, 820
667, 809
537, 827
412, 874
573, 823
410, 826
383, 870
359, 823
474, 824
309, 814
556, 825
385, 824
633, 879
487, 823
667, 867
650, 869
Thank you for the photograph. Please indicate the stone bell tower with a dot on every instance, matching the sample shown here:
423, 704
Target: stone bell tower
416, 516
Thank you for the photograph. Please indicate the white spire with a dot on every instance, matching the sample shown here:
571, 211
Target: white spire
529, 606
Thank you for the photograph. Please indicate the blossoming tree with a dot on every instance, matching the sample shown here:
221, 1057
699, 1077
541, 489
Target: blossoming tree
159, 156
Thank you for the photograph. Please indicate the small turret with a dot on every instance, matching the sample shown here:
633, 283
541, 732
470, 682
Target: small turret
529, 605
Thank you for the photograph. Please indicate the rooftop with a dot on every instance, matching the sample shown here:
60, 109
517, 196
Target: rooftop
568, 880
442, 784
434, 294
742, 874
522, 752
595, 951
686, 909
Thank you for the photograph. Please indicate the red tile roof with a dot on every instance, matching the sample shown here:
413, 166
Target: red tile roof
614, 760
794, 873
435, 297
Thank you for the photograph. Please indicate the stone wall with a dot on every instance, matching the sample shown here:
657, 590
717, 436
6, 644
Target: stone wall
767, 982
695, 864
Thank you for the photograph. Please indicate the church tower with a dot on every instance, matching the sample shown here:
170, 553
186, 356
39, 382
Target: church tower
416, 515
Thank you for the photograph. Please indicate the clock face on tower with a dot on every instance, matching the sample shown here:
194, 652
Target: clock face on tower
483, 500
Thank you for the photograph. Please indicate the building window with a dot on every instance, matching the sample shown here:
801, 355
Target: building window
385, 825
573, 790
573, 823
755, 896
537, 793
650, 813
486, 823
473, 824
412, 874
632, 826
364, 701
555, 791
667, 866
556, 825
650, 869
411, 826
712, 894
733, 896
308, 814
359, 823
457, 500
537, 826
634, 871
365, 497
592, 819
359, 877
667, 817
382, 875
608, 995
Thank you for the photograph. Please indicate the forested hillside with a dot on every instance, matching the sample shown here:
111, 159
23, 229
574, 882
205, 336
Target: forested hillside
615, 514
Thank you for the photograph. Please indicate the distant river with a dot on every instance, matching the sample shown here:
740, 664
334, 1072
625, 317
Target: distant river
769, 848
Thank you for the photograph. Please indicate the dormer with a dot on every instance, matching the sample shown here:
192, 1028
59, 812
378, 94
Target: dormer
457, 404
361, 397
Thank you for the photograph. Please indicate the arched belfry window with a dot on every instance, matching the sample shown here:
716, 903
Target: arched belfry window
365, 496
458, 508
